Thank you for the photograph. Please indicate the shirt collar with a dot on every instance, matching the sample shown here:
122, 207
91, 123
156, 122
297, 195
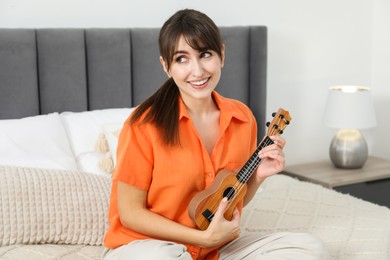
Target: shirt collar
228, 108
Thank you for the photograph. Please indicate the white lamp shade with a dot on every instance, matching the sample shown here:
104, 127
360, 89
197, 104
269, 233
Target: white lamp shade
350, 107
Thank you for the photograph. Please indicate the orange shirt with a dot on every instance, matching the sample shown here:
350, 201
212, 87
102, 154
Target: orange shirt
175, 174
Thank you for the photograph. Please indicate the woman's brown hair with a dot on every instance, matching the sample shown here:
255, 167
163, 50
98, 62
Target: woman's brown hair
201, 33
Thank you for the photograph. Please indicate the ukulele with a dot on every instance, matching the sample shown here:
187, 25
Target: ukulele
231, 184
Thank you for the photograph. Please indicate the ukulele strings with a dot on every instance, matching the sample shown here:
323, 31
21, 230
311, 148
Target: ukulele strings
238, 186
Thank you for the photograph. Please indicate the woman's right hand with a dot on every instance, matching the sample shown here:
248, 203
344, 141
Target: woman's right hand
222, 230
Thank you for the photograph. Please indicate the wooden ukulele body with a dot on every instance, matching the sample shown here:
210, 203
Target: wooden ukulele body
204, 204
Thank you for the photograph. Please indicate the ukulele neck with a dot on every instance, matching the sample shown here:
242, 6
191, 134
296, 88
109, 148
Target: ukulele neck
253, 162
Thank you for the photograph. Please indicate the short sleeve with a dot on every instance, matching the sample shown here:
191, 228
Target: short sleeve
134, 156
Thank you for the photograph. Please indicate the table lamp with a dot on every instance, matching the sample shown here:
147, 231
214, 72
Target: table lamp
349, 108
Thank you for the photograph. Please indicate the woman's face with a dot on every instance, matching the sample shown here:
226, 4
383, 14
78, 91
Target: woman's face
196, 73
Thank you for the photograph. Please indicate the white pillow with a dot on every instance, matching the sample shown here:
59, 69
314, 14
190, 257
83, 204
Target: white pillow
84, 128
37, 141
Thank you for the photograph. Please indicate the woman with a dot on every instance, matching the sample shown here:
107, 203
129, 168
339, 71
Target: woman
172, 147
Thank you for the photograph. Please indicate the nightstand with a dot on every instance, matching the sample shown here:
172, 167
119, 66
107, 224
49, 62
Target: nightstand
371, 182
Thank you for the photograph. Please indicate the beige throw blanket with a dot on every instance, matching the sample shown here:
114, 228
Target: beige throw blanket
52, 206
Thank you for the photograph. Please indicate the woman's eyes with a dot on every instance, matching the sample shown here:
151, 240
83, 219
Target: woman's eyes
182, 59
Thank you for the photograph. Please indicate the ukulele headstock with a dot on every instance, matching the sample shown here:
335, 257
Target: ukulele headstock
281, 120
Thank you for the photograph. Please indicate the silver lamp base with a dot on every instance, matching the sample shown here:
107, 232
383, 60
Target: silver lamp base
348, 149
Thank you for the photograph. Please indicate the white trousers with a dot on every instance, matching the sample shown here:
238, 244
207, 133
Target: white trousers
283, 245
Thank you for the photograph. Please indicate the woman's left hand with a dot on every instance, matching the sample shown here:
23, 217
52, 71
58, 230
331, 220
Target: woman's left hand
272, 158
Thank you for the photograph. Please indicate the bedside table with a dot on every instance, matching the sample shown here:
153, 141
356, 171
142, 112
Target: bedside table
371, 182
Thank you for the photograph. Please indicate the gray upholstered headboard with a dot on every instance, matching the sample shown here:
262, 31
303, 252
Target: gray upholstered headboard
56, 70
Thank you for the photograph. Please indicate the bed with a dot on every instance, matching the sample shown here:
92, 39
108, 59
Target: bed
64, 94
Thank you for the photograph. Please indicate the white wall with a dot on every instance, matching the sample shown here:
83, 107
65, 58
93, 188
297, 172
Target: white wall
381, 76
313, 44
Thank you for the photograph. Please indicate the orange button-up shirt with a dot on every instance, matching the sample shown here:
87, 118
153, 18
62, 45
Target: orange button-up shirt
172, 175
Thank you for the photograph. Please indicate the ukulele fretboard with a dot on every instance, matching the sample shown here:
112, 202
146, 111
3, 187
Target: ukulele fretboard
251, 165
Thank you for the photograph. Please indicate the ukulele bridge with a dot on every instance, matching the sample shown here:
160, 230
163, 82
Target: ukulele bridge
208, 215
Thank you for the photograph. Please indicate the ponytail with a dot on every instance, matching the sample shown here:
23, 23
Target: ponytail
162, 110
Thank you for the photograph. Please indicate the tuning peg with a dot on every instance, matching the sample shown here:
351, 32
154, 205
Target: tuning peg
273, 114
267, 124
280, 132
287, 122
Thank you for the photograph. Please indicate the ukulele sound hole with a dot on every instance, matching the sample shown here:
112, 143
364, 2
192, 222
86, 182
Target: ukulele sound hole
229, 193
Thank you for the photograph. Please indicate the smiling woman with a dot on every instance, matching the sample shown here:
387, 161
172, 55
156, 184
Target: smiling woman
186, 122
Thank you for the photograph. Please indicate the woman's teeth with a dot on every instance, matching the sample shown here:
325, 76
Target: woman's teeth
198, 83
